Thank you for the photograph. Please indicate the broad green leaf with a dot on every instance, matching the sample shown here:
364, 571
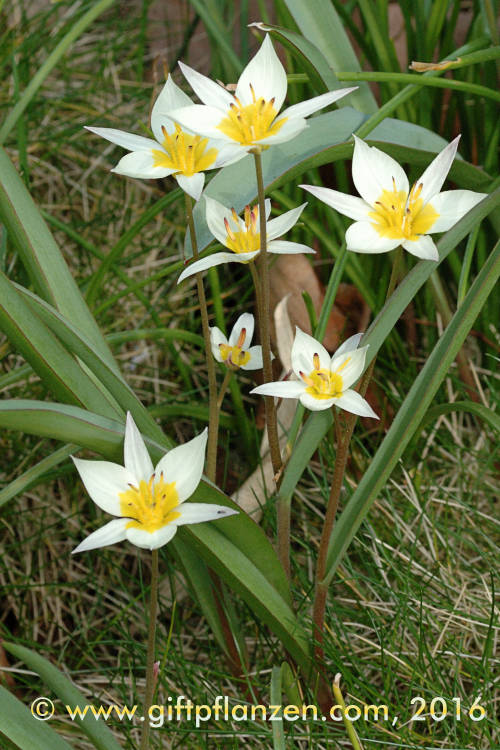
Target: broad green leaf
314, 63
41, 256
411, 412
324, 141
79, 344
58, 369
19, 726
97, 731
319, 22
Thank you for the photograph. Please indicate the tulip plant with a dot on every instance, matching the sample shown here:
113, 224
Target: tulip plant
248, 133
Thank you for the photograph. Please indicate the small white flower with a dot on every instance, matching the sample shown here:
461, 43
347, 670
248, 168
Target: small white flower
250, 117
149, 502
388, 213
236, 351
323, 381
175, 151
242, 236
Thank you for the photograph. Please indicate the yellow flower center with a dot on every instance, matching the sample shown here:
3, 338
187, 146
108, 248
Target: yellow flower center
249, 123
324, 383
151, 505
244, 240
399, 216
187, 154
234, 356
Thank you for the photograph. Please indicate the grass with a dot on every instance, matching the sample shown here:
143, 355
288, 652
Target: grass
412, 610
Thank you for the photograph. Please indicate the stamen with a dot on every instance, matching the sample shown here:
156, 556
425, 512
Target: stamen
229, 231
316, 362
234, 215
241, 338
253, 92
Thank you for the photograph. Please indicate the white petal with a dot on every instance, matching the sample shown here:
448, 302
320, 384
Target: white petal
126, 140
452, 205
351, 371
184, 465
110, 533
282, 224
356, 404
255, 361
316, 404
228, 153
171, 97
281, 389
151, 540
283, 247
215, 260
199, 512
306, 108
423, 247
362, 237
267, 204
202, 119
303, 350
434, 176
141, 164
266, 75
246, 320
192, 185
288, 130
373, 171
104, 481
207, 90
348, 205
217, 338
136, 455
215, 215
349, 345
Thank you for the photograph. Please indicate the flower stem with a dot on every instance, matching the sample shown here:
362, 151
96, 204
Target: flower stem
150, 659
343, 434
283, 520
356, 744
212, 378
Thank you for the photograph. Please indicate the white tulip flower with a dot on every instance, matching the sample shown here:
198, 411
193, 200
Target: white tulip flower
149, 502
236, 351
242, 236
250, 117
388, 213
176, 151
323, 381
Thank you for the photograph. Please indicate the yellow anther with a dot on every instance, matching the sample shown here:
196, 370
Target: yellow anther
241, 338
252, 122
229, 231
316, 362
185, 153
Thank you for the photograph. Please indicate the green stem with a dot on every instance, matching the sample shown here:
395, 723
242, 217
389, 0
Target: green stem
356, 744
344, 434
150, 659
264, 323
212, 378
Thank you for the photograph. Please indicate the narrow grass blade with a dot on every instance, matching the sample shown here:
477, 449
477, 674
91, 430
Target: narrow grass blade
411, 412
209, 12
21, 728
36, 473
41, 256
76, 30
276, 700
469, 407
97, 731
320, 23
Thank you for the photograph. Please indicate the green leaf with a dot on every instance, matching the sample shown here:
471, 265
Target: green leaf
277, 700
34, 475
320, 23
18, 725
315, 64
411, 412
58, 369
81, 346
210, 13
327, 139
469, 407
41, 256
97, 731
